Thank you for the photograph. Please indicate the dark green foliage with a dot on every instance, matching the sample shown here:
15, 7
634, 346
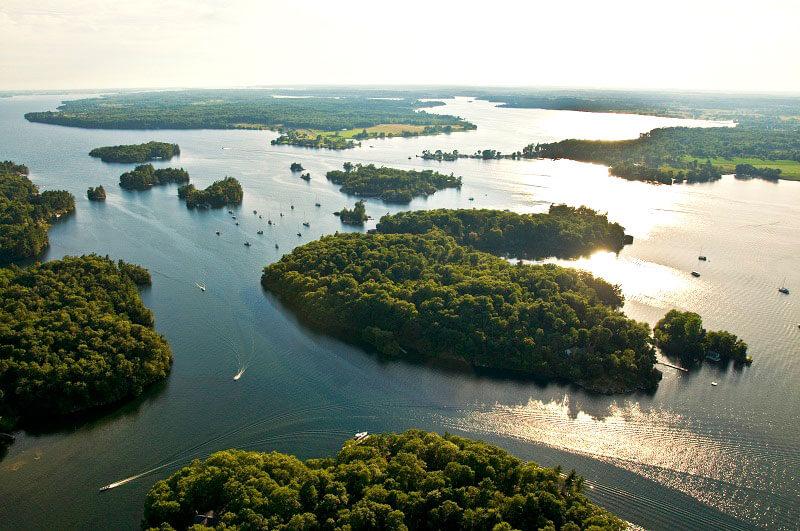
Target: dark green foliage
442, 155
138, 274
25, 214
426, 296
643, 157
390, 184
145, 176
219, 194
356, 216
296, 166
564, 232
96, 194
412, 480
748, 170
230, 109
681, 334
8, 166
136, 152
75, 336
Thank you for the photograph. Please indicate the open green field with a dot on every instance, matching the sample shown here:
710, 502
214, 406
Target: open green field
790, 169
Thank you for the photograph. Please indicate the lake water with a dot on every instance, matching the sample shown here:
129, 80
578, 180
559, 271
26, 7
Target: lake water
689, 455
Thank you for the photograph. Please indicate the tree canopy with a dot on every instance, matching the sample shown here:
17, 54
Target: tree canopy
75, 335
355, 216
681, 334
564, 231
424, 296
390, 184
228, 191
98, 193
136, 152
25, 214
146, 176
412, 480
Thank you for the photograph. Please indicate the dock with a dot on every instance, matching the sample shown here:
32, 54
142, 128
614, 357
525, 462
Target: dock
672, 366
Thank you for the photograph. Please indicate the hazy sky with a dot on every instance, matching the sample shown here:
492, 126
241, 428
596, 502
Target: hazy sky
690, 44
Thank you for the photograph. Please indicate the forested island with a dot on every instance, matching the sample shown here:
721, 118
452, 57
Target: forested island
411, 480
424, 296
681, 335
324, 119
390, 184
26, 214
97, 193
355, 216
482, 154
137, 152
563, 232
222, 193
75, 336
145, 176
684, 154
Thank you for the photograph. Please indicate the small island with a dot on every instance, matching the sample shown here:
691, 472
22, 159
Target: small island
410, 480
296, 166
219, 194
482, 154
76, 337
425, 297
136, 153
356, 216
681, 335
145, 176
390, 184
97, 193
26, 214
562, 232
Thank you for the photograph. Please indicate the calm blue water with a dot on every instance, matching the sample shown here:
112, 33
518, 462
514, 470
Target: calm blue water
691, 455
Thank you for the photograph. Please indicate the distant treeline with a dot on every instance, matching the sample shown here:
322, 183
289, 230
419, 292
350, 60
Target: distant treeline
26, 214
231, 109
390, 184
137, 152
564, 231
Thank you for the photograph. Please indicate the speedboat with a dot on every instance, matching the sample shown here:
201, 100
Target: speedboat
714, 384
299, 235
695, 274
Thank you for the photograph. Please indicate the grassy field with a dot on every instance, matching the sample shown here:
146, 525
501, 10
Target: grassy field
790, 169
376, 130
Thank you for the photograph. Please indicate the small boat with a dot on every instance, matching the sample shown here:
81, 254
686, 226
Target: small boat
702, 258
360, 436
260, 232
259, 216
281, 214
200, 286
714, 384
306, 224
107, 487
230, 211
233, 217
784, 290
276, 245
247, 244
269, 222
299, 235
238, 374
472, 199
291, 206
317, 205
217, 233
255, 211
306, 176
237, 223
695, 274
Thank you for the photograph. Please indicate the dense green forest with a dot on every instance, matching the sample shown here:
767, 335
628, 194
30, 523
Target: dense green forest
425, 296
137, 152
411, 480
25, 214
75, 336
681, 335
228, 191
230, 109
667, 153
390, 184
564, 231
146, 176
355, 216
97, 193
